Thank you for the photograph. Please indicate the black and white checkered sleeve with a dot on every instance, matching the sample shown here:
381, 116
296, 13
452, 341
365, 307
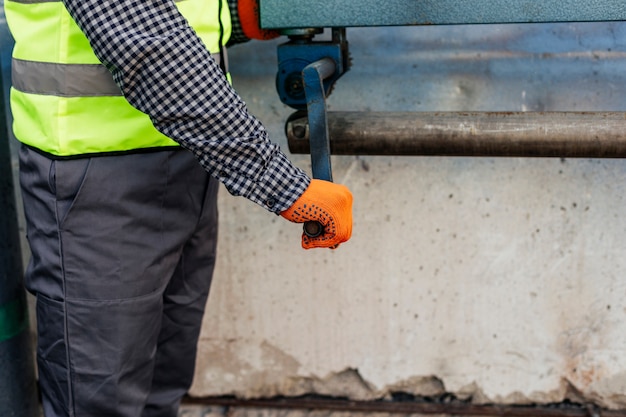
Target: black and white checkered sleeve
165, 71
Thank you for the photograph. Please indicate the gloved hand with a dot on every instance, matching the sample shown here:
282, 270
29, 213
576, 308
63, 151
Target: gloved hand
329, 204
249, 18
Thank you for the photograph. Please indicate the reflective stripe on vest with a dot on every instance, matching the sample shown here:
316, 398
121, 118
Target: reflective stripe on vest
64, 101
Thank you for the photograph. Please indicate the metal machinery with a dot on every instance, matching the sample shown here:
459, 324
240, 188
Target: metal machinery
308, 68
307, 71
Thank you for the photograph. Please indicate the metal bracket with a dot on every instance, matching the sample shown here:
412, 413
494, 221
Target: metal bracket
302, 50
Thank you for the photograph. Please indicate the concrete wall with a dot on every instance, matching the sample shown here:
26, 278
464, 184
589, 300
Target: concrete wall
492, 279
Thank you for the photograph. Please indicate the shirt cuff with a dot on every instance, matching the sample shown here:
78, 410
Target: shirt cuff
280, 185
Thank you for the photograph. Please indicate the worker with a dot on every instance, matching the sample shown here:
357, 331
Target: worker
127, 121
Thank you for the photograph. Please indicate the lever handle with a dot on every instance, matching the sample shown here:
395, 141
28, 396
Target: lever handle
313, 76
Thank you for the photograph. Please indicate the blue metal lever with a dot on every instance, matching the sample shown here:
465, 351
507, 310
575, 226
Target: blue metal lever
313, 77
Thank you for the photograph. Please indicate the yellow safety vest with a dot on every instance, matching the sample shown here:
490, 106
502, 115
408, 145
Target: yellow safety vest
64, 101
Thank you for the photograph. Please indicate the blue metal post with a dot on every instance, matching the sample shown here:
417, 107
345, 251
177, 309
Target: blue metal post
17, 375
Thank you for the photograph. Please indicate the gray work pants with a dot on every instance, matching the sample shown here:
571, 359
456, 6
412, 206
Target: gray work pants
123, 249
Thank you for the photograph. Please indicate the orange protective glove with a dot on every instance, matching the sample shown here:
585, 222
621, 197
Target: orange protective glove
329, 204
249, 18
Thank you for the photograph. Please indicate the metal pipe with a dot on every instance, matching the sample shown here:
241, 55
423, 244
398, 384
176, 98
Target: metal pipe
417, 407
18, 390
521, 134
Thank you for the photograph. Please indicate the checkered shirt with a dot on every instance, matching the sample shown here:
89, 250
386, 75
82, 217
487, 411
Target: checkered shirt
165, 71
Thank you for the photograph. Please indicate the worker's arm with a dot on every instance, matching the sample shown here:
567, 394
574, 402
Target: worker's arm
165, 71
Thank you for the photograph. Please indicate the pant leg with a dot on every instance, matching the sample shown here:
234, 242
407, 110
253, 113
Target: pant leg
106, 237
184, 304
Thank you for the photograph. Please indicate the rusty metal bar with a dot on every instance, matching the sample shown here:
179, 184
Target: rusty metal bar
519, 134
456, 408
